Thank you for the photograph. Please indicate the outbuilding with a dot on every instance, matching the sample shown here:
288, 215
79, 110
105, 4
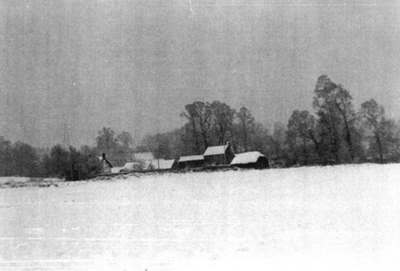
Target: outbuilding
190, 161
218, 155
252, 159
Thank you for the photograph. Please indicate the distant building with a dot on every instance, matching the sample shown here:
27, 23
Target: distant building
116, 169
252, 159
161, 164
132, 166
143, 156
191, 161
218, 155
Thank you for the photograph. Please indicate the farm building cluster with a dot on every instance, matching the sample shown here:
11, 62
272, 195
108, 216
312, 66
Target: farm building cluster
213, 157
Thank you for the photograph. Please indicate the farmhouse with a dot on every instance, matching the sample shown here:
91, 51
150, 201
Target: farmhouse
191, 161
218, 155
252, 159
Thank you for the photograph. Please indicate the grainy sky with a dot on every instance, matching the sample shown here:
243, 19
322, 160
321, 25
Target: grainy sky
79, 65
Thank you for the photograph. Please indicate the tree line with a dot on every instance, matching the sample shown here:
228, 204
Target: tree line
334, 133
68, 162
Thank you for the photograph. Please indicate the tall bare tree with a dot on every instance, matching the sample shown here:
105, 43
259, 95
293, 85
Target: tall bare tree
199, 115
223, 116
336, 115
246, 126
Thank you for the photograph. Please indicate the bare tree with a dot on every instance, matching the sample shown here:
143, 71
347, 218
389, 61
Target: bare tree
373, 116
246, 126
301, 127
335, 110
199, 115
343, 103
223, 116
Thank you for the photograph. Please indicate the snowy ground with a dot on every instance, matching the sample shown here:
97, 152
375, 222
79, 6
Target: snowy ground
15, 182
330, 218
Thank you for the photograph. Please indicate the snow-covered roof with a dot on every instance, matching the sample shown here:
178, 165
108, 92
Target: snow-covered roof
215, 150
246, 157
143, 156
162, 163
191, 158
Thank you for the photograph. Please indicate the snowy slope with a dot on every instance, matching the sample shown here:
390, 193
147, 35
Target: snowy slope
4, 180
326, 218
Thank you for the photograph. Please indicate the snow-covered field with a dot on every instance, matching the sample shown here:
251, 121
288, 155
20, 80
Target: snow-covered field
14, 182
327, 218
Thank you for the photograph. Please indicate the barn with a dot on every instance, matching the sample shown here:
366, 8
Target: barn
252, 159
191, 161
218, 155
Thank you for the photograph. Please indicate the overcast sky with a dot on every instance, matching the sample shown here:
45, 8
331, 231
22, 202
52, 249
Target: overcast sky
133, 65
